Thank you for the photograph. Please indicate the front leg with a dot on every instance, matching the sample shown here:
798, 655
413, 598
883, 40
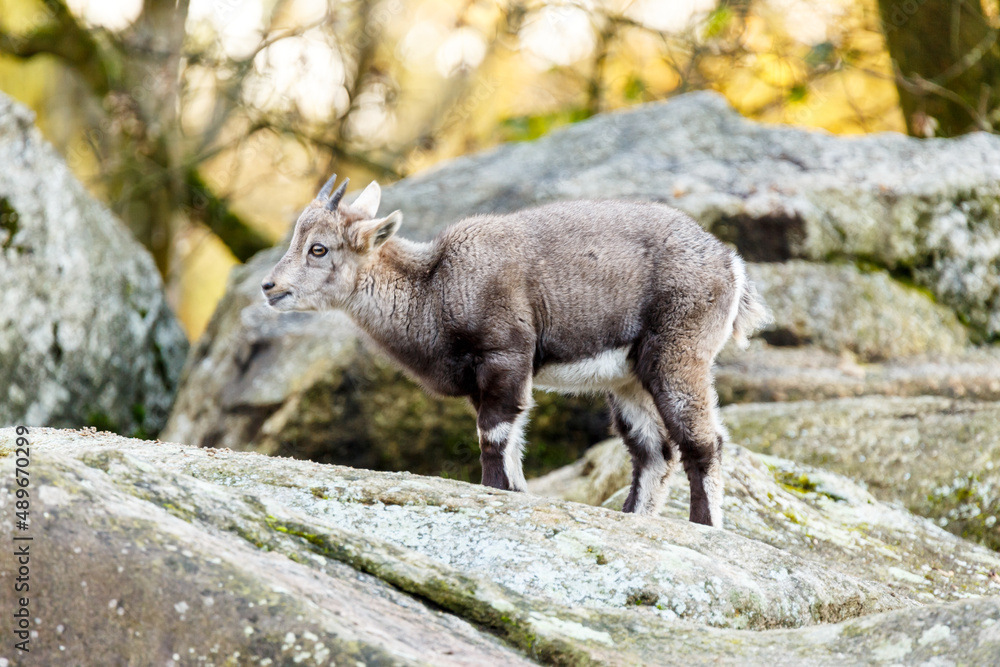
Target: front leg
503, 407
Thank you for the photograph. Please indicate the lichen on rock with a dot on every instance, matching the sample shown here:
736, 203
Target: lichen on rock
765, 374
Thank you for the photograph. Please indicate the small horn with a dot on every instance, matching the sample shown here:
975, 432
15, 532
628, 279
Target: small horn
325, 192
335, 197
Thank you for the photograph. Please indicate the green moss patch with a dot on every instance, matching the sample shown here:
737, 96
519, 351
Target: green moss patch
10, 222
800, 483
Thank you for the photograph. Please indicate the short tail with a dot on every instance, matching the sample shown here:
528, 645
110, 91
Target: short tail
751, 313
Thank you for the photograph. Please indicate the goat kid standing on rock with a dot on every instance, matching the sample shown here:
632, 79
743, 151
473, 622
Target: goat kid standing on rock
632, 299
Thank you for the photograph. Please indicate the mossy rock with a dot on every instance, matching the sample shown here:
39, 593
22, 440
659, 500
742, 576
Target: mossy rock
937, 456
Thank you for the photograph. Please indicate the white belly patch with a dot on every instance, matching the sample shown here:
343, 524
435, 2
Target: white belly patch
607, 370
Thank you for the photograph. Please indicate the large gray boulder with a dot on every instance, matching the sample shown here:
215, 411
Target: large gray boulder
565, 553
303, 385
86, 336
155, 552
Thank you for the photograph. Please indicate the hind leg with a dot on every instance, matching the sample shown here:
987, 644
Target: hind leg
681, 387
637, 420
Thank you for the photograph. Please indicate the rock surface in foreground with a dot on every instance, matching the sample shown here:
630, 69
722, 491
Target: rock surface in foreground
129, 583
570, 554
86, 335
200, 535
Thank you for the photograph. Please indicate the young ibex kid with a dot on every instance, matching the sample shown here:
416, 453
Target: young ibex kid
631, 299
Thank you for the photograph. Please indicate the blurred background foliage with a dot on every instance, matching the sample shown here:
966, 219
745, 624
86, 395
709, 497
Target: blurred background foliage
207, 124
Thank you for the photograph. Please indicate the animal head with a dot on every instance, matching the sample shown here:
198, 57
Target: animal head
330, 247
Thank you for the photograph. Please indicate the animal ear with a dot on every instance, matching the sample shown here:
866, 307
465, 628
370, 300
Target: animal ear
367, 202
371, 234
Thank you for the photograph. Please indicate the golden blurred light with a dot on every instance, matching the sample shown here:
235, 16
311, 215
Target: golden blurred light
672, 16
558, 35
238, 24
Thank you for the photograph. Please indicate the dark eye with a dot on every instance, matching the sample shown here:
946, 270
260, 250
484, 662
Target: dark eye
317, 250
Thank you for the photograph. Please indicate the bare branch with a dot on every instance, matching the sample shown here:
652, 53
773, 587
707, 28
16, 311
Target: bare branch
206, 207
335, 147
68, 41
921, 86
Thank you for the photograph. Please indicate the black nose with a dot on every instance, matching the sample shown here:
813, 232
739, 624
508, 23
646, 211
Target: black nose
267, 286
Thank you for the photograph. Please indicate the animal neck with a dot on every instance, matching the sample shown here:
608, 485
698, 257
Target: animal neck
391, 303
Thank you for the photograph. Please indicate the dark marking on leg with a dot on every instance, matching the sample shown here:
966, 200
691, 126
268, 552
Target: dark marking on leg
653, 460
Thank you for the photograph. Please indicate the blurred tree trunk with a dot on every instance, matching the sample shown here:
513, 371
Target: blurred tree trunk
947, 62
148, 169
145, 177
